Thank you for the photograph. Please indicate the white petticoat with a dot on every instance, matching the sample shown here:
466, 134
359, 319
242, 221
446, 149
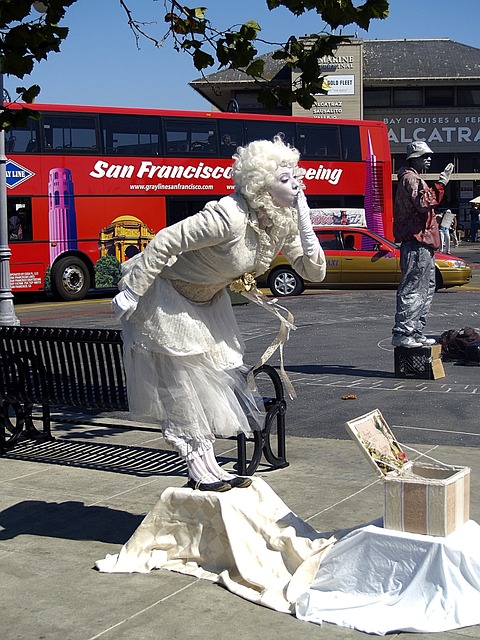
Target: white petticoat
184, 367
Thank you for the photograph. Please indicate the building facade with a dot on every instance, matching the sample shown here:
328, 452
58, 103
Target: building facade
426, 89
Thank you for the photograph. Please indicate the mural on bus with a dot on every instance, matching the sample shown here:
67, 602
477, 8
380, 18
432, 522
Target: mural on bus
121, 239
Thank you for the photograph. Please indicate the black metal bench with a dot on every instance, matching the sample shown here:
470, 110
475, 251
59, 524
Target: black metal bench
69, 367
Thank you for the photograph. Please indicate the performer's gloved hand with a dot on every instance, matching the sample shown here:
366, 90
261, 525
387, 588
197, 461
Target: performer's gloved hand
307, 234
444, 177
125, 303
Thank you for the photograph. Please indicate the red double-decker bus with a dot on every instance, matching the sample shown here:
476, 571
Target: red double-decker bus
88, 187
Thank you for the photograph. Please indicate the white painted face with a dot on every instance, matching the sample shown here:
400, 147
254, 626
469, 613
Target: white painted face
285, 187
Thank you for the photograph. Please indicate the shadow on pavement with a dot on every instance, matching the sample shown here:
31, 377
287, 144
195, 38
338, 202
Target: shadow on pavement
69, 520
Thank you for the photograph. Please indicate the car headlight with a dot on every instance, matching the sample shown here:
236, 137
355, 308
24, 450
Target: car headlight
456, 264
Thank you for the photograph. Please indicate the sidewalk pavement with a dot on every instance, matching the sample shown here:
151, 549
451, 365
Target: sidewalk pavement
67, 503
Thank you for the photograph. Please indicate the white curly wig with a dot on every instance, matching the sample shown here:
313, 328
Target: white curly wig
254, 172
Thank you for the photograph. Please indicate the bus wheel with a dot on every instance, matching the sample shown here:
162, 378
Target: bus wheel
70, 278
285, 282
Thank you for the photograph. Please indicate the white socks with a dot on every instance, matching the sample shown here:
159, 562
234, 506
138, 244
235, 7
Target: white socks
206, 469
197, 470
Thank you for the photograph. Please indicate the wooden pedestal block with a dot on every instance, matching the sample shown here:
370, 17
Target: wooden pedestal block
421, 362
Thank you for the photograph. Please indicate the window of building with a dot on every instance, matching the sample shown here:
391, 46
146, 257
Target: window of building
468, 163
409, 97
439, 96
398, 160
376, 98
248, 102
468, 96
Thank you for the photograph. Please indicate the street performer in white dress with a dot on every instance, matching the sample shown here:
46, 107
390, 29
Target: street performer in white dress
182, 346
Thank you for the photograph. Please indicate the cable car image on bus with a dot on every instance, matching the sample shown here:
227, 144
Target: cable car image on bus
88, 187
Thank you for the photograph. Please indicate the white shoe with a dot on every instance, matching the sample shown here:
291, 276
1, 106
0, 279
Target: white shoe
427, 342
405, 341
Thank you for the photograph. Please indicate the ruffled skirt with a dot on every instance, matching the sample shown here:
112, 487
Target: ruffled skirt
184, 367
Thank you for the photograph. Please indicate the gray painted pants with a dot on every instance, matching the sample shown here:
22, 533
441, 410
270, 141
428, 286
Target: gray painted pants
416, 289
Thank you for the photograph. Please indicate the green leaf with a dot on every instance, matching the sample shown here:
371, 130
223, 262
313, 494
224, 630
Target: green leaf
256, 68
28, 95
202, 60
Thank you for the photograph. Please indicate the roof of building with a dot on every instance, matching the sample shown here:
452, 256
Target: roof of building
232, 76
423, 58
429, 58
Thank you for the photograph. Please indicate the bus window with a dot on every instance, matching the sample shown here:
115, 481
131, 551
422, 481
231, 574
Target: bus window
319, 142
350, 143
130, 135
181, 208
266, 130
231, 136
19, 219
70, 133
191, 137
22, 139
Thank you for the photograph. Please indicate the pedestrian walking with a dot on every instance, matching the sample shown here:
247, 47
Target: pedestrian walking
474, 221
445, 228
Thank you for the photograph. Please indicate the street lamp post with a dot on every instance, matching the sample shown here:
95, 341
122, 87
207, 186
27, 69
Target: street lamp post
7, 311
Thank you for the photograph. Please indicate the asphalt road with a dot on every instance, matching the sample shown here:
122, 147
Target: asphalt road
342, 347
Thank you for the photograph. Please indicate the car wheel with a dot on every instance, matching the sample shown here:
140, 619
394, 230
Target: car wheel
285, 282
438, 280
70, 278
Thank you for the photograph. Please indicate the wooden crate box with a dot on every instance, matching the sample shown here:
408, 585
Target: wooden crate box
419, 496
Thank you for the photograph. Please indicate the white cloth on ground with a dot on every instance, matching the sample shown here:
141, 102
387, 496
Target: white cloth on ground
379, 581
246, 539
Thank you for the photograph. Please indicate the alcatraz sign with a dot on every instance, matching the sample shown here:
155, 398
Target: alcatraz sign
458, 132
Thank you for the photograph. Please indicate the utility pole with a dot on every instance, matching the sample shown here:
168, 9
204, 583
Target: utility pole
7, 311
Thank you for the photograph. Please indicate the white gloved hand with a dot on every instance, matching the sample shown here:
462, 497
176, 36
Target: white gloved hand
125, 303
444, 177
307, 234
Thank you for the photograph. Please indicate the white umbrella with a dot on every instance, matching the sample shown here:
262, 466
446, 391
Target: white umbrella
475, 200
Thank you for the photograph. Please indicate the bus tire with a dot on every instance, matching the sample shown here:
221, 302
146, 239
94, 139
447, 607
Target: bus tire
70, 278
285, 282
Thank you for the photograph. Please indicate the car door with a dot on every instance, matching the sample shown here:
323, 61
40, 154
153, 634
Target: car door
330, 241
366, 260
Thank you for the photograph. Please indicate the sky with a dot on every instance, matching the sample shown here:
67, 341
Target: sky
100, 64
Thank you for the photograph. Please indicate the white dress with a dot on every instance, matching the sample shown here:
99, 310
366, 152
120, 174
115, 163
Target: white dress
182, 346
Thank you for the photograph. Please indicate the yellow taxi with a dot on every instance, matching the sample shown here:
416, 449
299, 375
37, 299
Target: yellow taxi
357, 257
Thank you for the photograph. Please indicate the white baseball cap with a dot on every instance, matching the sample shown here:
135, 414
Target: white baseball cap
417, 149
